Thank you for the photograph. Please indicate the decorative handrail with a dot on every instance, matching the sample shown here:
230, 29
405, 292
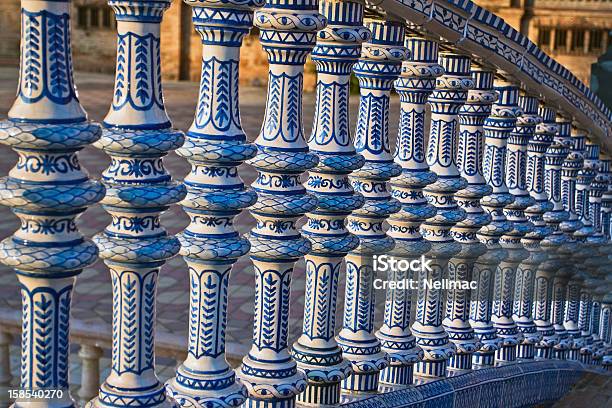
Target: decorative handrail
477, 30
520, 204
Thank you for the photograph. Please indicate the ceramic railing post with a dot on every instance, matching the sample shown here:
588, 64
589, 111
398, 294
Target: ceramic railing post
378, 67
584, 236
498, 127
215, 146
572, 167
316, 352
471, 135
539, 216
137, 134
557, 155
518, 144
469, 161
446, 101
417, 81
47, 189
599, 263
288, 30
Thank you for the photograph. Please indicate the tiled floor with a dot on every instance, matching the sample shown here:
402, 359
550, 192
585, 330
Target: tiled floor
92, 300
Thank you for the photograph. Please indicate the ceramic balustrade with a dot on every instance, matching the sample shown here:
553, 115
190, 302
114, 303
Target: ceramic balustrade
539, 216
316, 352
585, 235
48, 190
463, 332
446, 100
377, 68
502, 205
415, 84
518, 203
136, 134
572, 166
560, 157
288, 30
598, 264
518, 156
215, 146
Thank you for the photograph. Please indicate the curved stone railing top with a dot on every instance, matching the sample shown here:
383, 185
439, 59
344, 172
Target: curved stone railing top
480, 32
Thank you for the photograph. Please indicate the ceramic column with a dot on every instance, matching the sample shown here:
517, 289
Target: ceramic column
498, 127
572, 167
317, 353
599, 263
215, 146
446, 101
137, 134
484, 273
417, 81
556, 156
287, 33
585, 177
469, 161
47, 189
518, 145
540, 217
378, 67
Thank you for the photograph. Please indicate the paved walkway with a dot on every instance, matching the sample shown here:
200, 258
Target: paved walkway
92, 300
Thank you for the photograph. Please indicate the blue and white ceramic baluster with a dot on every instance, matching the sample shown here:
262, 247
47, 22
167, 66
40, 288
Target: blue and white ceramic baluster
564, 159
498, 127
47, 189
137, 134
288, 33
215, 146
572, 166
599, 263
378, 67
446, 101
584, 236
517, 184
316, 352
469, 161
485, 266
545, 134
417, 81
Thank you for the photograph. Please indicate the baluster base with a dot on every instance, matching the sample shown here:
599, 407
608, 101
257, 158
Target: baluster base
320, 395
526, 351
460, 362
480, 359
397, 374
560, 354
431, 369
367, 382
324, 370
191, 390
573, 354
506, 354
543, 352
